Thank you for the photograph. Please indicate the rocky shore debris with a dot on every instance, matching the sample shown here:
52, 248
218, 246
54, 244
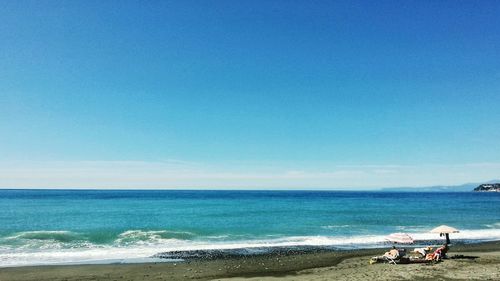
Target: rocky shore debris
239, 253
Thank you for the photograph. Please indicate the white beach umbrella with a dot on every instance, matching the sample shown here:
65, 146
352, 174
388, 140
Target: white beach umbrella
446, 230
400, 238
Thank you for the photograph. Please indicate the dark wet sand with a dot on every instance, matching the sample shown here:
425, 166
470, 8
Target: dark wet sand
330, 265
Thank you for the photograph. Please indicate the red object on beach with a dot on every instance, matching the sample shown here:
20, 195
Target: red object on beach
401, 238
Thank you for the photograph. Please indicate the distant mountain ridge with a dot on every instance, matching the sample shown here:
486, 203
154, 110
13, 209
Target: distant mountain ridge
467, 187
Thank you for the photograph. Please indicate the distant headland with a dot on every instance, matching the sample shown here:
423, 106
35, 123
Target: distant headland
490, 187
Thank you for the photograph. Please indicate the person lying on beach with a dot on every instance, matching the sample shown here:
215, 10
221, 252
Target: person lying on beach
389, 256
422, 251
394, 256
439, 254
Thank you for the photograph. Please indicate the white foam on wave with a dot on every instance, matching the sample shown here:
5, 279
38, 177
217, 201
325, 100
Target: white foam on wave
153, 244
39, 233
76, 256
139, 236
43, 240
494, 225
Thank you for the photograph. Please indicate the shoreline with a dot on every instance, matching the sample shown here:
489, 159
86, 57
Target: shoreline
186, 250
277, 265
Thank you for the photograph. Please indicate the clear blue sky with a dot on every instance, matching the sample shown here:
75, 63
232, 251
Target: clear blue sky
228, 88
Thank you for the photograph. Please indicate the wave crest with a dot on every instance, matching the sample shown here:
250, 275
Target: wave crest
62, 236
45, 239
151, 237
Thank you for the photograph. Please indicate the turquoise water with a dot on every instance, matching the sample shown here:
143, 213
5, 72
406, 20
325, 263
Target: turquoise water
56, 226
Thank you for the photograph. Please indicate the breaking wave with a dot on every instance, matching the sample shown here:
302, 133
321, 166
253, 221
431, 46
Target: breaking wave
151, 237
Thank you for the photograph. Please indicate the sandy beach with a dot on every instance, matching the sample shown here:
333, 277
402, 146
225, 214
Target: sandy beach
478, 262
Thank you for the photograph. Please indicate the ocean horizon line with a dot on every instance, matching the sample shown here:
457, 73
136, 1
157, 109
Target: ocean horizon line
374, 189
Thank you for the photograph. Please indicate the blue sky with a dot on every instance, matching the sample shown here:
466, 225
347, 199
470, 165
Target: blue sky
248, 94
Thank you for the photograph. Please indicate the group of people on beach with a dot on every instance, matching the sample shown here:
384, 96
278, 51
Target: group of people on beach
418, 255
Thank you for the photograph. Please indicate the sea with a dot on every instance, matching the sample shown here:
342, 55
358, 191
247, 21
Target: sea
39, 227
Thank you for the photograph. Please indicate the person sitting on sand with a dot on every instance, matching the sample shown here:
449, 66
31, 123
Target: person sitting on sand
393, 253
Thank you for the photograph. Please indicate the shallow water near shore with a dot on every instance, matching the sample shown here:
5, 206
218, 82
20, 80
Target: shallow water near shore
89, 226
